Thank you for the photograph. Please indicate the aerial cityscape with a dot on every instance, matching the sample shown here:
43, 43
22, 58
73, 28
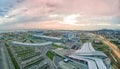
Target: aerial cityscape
59, 34
60, 49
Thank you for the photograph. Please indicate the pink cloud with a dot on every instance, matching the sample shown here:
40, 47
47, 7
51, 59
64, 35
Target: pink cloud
56, 25
43, 8
84, 7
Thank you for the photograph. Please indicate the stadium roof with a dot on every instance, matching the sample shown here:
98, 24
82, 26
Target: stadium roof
87, 47
92, 62
88, 54
96, 53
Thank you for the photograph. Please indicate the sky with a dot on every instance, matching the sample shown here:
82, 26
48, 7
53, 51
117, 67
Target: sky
59, 14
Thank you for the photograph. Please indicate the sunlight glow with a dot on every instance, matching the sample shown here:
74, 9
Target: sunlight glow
71, 19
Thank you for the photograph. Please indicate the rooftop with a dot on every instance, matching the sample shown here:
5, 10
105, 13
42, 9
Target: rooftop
87, 47
30, 44
49, 37
88, 54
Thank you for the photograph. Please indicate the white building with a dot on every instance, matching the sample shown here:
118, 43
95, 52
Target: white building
93, 59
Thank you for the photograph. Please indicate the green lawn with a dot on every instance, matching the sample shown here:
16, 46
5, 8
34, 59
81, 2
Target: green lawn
57, 46
50, 55
16, 65
34, 62
46, 66
26, 53
84, 40
32, 41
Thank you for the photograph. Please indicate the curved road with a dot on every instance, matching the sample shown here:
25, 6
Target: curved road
113, 47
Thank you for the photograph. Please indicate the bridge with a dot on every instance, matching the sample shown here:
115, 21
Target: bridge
31, 44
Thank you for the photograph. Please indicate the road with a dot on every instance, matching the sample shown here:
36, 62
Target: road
6, 61
51, 63
113, 47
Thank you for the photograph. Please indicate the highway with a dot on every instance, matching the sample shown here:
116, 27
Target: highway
4, 56
113, 47
43, 53
5, 64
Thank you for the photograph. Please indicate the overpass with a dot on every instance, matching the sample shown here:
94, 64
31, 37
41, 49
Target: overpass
31, 44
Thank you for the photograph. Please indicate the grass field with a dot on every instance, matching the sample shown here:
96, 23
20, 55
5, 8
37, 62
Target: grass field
58, 46
16, 65
50, 55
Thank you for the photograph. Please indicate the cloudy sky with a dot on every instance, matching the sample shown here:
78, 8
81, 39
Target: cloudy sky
60, 14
